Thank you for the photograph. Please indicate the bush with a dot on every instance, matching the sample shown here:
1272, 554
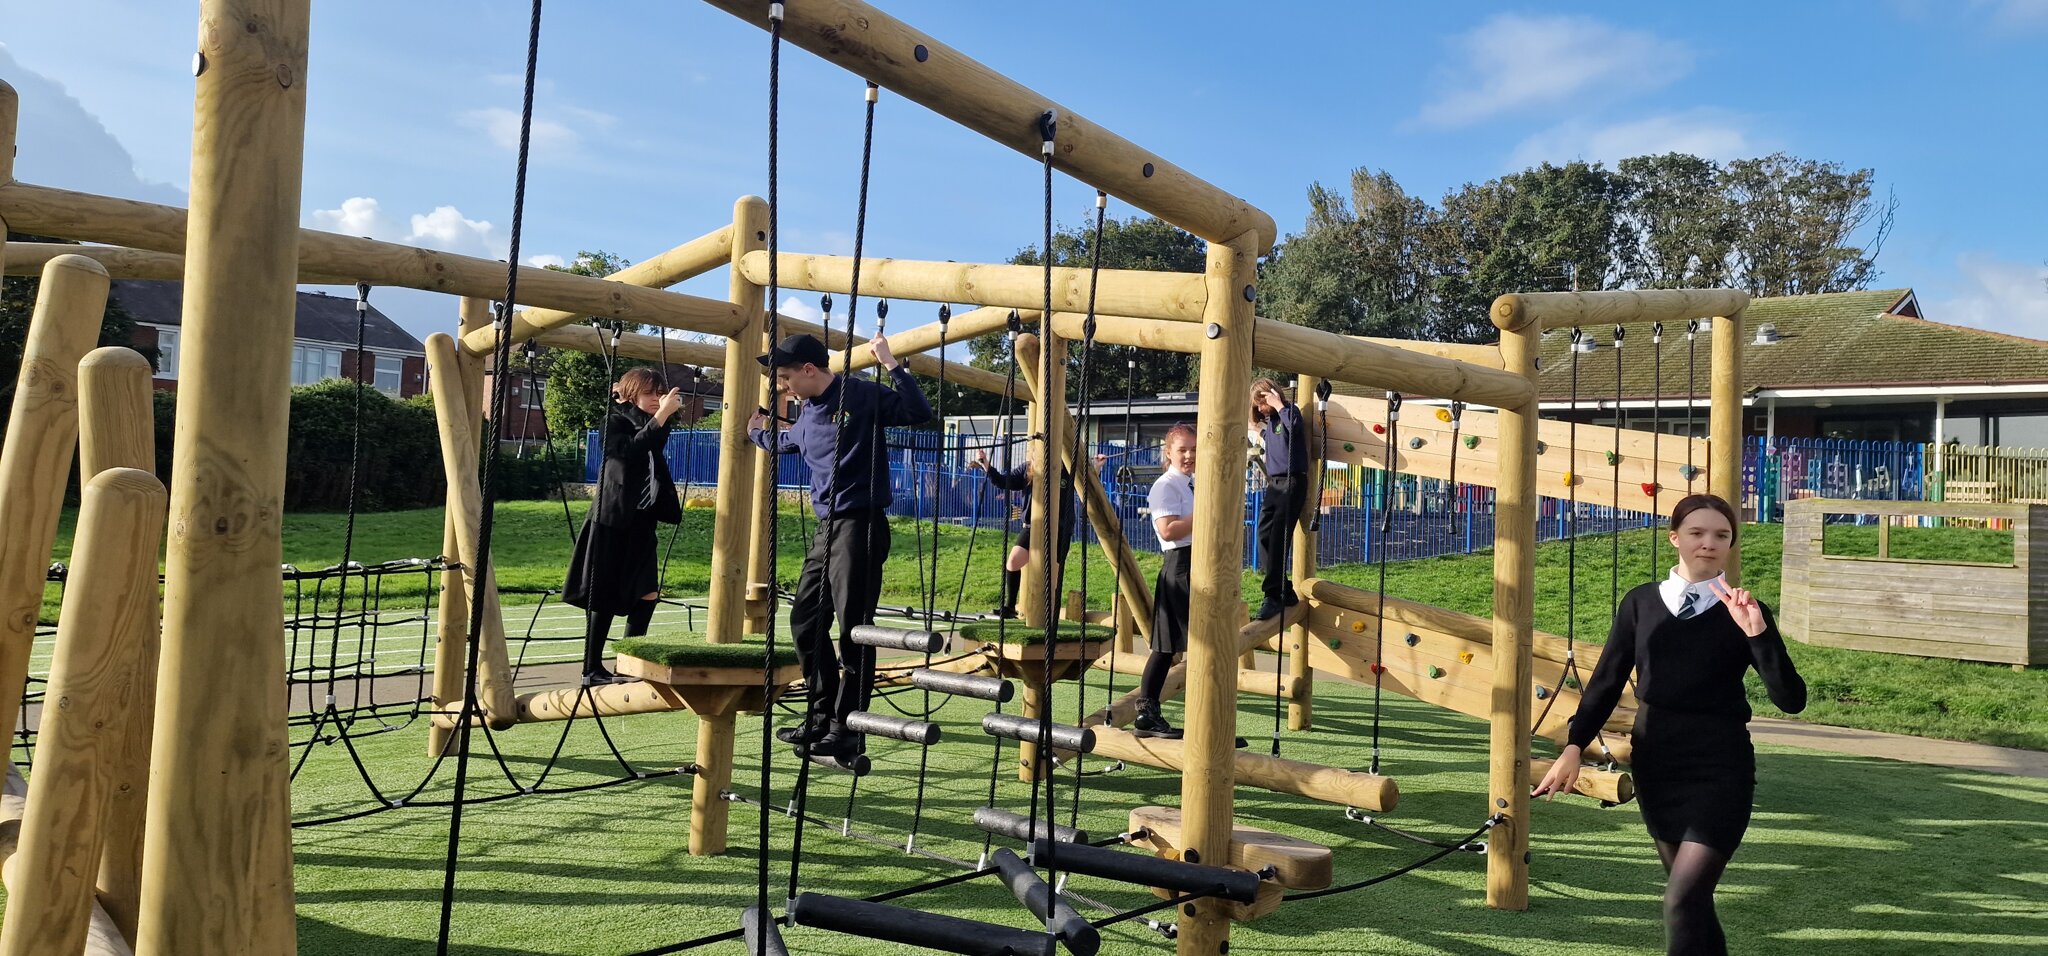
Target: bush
401, 450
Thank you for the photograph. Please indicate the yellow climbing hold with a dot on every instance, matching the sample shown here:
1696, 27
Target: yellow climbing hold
1464, 657
1569, 479
1357, 627
1443, 414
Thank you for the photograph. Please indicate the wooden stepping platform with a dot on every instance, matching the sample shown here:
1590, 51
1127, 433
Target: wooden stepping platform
1297, 864
677, 671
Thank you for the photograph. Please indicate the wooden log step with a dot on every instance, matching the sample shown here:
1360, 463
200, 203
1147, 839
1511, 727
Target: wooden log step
1027, 729
1140, 870
921, 732
896, 924
1019, 827
993, 689
1052, 911
1348, 788
1607, 786
1296, 864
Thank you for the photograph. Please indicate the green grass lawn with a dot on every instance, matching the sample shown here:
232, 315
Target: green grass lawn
1944, 863
1937, 698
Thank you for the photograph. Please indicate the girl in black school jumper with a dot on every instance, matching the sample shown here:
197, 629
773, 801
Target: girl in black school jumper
1287, 480
1689, 639
613, 571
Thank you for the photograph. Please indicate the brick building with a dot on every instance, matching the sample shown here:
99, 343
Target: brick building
323, 338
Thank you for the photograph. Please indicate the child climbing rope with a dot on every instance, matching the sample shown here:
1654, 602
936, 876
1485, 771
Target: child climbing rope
1287, 482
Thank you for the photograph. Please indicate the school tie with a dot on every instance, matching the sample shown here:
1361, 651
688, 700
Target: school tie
1691, 605
647, 493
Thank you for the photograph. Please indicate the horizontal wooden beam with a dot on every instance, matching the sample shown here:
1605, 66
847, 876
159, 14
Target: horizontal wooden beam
121, 262
1350, 788
1156, 295
72, 215
1484, 356
880, 48
1562, 310
691, 259
955, 372
961, 329
585, 338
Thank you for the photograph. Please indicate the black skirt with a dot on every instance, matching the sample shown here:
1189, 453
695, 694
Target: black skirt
613, 568
1170, 597
1695, 777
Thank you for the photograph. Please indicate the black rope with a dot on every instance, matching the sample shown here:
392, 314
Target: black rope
1692, 398
489, 449
1080, 461
775, 444
1379, 638
1614, 461
1048, 479
1410, 868
1656, 428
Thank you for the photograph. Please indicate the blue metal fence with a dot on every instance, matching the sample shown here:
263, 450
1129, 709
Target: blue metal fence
1780, 469
1423, 517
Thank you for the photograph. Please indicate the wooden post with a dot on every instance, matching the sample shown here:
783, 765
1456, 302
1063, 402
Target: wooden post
1514, 597
693, 258
1216, 579
1724, 423
10, 118
221, 791
726, 620
708, 806
1046, 419
451, 634
1301, 675
1158, 295
117, 429
78, 777
465, 505
35, 462
761, 570
1126, 625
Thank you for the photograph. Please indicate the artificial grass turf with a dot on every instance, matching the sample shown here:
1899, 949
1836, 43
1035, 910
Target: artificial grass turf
679, 648
1017, 632
1957, 700
1933, 867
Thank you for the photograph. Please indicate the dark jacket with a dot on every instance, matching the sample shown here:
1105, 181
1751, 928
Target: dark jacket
1018, 480
851, 444
633, 443
1286, 442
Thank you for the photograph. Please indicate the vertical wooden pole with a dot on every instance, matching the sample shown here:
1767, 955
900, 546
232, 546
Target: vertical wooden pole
1724, 425
217, 861
1126, 627
1047, 420
1301, 697
1216, 577
10, 116
730, 556
466, 504
111, 600
117, 429
35, 462
1035, 700
761, 573
733, 518
1514, 609
452, 623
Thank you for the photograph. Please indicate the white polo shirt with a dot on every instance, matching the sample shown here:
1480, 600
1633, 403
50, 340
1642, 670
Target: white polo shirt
1173, 494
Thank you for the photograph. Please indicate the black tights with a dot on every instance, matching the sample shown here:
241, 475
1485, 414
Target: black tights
1154, 682
599, 628
1690, 926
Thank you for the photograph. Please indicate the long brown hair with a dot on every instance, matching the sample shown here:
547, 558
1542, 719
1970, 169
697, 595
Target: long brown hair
1259, 388
636, 382
1691, 503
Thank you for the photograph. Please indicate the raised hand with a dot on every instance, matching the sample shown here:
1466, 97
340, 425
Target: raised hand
1742, 607
980, 462
883, 356
671, 403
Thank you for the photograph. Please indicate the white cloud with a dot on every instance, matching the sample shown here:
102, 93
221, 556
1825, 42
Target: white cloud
1516, 63
445, 228
501, 126
1707, 133
797, 308
64, 145
2015, 13
545, 260
1996, 294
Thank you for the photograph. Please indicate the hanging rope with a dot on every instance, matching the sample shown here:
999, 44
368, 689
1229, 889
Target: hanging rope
774, 309
1614, 461
502, 356
1656, 432
1379, 640
1080, 461
1692, 398
1048, 479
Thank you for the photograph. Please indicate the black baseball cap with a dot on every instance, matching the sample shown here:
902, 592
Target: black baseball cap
796, 350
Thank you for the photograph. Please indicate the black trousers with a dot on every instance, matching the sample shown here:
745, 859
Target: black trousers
843, 588
1013, 581
1279, 509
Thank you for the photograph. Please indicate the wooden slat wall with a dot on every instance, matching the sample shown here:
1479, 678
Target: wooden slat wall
1974, 612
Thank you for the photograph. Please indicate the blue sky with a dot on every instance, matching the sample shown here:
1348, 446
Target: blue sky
651, 117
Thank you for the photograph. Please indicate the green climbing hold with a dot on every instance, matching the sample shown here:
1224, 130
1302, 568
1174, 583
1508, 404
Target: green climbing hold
1613, 458
1335, 644
1435, 671
1471, 441
1572, 682
1350, 447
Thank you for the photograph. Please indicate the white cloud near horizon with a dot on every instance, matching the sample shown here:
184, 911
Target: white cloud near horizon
1514, 62
1706, 133
63, 144
558, 128
1996, 294
444, 228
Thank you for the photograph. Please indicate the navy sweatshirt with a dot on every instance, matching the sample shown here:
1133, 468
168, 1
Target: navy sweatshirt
1017, 480
1286, 442
869, 409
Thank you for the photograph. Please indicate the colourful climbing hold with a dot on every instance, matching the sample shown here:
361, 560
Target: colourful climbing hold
1464, 657
1443, 414
1570, 479
1357, 627
1572, 682
1613, 458
1435, 671
1415, 443
1335, 644
1650, 488
1471, 441
1412, 639
1689, 472
1379, 429
1542, 693
1542, 447
1378, 668
1350, 447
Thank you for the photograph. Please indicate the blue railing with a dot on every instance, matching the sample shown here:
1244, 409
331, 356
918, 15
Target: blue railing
1781, 469
1422, 517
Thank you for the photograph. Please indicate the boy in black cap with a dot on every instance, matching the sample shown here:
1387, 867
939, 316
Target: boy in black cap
838, 431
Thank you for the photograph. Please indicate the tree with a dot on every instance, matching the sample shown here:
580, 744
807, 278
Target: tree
1359, 266
1795, 220
1142, 243
17, 306
579, 383
1677, 227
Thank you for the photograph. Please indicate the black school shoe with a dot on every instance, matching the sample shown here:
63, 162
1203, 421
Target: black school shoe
1150, 723
1266, 610
836, 745
803, 733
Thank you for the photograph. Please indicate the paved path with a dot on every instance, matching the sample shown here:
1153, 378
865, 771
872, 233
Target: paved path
1871, 743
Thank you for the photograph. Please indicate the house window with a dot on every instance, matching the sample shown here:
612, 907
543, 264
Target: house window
390, 372
167, 353
311, 363
540, 394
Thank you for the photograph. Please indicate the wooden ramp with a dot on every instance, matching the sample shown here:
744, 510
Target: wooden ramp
1296, 864
1445, 657
1425, 438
